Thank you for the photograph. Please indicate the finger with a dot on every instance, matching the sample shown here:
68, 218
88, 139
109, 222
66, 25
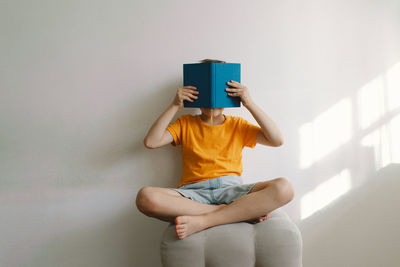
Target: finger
233, 83
189, 95
190, 90
189, 86
232, 89
183, 95
187, 98
233, 94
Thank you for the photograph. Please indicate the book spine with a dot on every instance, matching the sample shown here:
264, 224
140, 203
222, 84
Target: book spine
212, 85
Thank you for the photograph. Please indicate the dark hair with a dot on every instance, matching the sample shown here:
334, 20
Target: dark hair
212, 60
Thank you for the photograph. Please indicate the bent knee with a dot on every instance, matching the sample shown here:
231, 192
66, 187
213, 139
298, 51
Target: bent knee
145, 199
284, 190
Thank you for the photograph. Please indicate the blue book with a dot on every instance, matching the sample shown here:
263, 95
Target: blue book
211, 79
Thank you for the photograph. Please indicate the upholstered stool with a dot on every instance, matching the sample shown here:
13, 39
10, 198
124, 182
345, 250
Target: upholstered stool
275, 242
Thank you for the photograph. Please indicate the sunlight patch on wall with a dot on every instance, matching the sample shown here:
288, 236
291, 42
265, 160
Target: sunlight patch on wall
378, 101
393, 86
325, 193
371, 102
325, 133
377, 111
385, 142
379, 141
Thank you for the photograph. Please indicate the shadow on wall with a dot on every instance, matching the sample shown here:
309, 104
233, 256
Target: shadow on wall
363, 128
359, 229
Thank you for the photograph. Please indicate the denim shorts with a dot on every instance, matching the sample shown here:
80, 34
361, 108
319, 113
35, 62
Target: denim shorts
221, 190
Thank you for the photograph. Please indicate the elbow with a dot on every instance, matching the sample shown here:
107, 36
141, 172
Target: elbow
147, 144
279, 142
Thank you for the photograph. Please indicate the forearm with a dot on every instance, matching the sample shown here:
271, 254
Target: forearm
268, 126
158, 128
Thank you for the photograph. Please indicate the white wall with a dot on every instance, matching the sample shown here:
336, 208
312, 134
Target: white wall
82, 81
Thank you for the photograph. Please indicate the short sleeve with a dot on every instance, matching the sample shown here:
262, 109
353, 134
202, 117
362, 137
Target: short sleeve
176, 131
249, 133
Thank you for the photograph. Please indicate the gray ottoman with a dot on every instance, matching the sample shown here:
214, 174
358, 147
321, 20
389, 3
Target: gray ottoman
275, 242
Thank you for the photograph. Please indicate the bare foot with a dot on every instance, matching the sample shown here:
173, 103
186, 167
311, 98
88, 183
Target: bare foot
181, 227
187, 225
259, 219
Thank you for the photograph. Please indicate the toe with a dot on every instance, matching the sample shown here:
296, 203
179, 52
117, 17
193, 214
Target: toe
181, 220
181, 236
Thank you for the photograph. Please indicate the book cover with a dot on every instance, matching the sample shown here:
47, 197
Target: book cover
211, 79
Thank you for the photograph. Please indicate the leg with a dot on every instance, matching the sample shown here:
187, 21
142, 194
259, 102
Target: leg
166, 204
264, 198
257, 187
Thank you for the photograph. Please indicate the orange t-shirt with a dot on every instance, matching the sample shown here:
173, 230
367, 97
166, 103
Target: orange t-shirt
210, 151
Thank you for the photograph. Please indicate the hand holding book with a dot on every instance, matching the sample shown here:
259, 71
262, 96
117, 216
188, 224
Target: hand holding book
239, 90
185, 93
